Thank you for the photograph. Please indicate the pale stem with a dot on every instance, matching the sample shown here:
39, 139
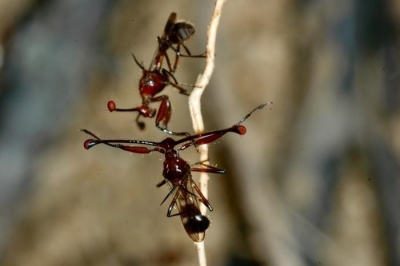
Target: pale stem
195, 108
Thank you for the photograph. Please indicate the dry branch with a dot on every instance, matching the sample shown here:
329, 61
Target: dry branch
195, 107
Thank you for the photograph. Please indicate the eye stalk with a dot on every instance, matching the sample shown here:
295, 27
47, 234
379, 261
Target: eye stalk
186, 195
89, 143
155, 78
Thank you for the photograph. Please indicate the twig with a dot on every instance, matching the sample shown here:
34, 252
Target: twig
195, 108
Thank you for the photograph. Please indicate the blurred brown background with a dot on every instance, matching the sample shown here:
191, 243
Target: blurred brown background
315, 181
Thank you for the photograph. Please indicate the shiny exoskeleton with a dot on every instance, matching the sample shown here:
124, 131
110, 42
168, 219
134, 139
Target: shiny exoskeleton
177, 172
155, 78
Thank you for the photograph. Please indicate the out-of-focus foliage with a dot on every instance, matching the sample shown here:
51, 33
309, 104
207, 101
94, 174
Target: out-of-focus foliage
314, 181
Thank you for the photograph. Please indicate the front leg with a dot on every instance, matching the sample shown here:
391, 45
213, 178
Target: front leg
175, 83
208, 169
164, 115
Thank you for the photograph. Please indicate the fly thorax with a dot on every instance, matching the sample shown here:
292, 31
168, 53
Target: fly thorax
152, 83
176, 170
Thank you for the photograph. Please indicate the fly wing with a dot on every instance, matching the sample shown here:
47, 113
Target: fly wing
169, 25
160, 52
193, 221
181, 32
